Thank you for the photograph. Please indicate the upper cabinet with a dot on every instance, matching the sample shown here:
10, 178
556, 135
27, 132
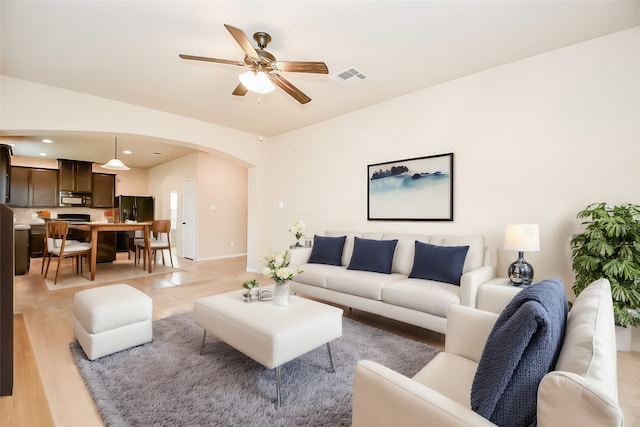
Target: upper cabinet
33, 187
104, 190
38, 187
75, 176
19, 193
44, 187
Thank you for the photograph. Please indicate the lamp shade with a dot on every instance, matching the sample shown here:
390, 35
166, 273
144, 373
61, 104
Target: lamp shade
522, 237
256, 82
115, 164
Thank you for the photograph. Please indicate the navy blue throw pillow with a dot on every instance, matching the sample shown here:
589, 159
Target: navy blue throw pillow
441, 263
372, 255
327, 250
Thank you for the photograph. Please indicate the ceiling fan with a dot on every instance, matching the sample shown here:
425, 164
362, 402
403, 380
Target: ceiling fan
259, 60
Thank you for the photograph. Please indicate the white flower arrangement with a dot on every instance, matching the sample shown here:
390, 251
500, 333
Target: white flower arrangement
298, 227
277, 267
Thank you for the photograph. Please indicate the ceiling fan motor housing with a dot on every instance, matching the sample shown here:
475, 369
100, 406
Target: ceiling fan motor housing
262, 38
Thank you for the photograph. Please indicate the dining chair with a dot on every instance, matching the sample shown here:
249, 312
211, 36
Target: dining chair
161, 230
56, 244
45, 246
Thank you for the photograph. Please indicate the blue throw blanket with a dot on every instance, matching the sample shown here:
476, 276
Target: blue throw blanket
522, 347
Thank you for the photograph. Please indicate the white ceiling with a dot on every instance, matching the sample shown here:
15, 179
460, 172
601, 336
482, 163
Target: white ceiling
128, 51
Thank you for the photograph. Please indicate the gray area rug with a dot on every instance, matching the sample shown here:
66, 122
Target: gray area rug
168, 383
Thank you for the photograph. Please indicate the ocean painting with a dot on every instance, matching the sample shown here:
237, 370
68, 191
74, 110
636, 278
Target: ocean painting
419, 189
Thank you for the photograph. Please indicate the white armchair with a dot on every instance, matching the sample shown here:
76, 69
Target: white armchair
582, 390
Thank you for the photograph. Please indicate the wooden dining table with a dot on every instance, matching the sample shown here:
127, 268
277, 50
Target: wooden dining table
95, 227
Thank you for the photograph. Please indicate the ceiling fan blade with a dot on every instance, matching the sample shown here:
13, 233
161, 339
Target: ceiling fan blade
285, 85
302, 67
240, 90
204, 58
242, 39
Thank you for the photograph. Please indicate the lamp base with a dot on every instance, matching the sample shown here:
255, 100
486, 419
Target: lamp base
520, 271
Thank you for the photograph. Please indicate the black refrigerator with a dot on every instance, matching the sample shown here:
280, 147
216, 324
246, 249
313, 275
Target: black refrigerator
132, 208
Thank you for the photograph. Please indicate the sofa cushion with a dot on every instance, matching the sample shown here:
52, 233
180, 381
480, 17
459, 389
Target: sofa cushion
426, 296
316, 274
364, 284
372, 255
521, 349
441, 263
449, 375
348, 244
403, 256
327, 250
475, 256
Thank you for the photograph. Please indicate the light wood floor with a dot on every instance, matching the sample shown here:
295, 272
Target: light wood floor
48, 390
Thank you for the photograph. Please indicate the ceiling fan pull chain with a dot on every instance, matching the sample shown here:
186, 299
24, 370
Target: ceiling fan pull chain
260, 115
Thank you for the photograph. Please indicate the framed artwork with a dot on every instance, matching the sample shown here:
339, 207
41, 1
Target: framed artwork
419, 189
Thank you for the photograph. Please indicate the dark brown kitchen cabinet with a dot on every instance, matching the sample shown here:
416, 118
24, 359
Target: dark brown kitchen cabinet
33, 187
19, 192
104, 190
44, 188
75, 176
36, 240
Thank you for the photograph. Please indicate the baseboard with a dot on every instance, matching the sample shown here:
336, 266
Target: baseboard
220, 257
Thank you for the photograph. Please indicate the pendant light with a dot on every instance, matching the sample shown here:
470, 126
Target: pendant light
115, 164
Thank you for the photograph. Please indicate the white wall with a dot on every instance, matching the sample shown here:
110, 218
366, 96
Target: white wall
534, 141
219, 184
133, 182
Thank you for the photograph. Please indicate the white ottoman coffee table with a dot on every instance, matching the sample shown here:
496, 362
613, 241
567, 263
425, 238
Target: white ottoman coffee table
269, 334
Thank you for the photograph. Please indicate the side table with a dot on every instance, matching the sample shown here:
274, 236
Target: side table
495, 294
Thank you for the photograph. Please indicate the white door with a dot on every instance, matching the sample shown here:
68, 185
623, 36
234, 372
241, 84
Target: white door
189, 218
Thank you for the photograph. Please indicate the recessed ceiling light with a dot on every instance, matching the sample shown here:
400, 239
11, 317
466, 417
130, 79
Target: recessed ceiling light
126, 151
42, 154
157, 154
47, 141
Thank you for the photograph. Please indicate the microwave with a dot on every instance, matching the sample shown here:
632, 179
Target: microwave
69, 198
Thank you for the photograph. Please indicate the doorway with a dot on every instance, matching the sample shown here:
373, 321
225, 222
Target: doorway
189, 218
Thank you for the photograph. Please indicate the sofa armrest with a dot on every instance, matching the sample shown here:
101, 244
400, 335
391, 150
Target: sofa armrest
467, 331
383, 397
299, 256
568, 399
470, 283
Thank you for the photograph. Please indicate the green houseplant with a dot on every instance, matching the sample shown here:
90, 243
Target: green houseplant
609, 247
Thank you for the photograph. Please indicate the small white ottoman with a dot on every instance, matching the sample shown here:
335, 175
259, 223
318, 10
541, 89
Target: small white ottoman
111, 318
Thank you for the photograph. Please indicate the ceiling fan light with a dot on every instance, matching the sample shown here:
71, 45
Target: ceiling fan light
256, 82
264, 82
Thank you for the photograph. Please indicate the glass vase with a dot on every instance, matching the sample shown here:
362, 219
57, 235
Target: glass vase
281, 294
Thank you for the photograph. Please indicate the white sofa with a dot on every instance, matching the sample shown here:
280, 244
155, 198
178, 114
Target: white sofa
415, 301
581, 390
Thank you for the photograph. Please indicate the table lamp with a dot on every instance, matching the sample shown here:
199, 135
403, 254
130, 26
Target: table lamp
521, 238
